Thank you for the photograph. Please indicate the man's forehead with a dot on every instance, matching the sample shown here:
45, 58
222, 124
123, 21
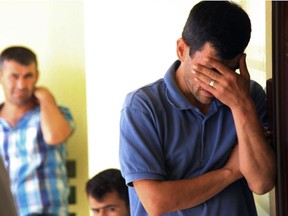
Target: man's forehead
14, 65
15, 62
209, 51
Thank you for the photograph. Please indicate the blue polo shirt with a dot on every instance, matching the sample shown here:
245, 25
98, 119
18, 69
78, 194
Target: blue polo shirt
164, 137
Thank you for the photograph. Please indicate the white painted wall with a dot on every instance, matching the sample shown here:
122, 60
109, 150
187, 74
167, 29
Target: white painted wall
128, 44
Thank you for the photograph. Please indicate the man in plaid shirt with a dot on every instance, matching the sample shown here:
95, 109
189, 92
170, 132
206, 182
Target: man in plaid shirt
33, 132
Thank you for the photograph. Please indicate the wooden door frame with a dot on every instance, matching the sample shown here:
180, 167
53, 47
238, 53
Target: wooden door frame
280, 95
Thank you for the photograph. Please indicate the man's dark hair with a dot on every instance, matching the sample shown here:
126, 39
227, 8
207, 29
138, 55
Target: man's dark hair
19, 54
222, 23
105, 182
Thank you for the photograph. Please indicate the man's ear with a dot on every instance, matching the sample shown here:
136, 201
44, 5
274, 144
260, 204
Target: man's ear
182, 49
1, 74
37, 74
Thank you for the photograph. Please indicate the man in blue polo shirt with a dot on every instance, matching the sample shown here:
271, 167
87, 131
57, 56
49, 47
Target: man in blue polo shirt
192, 143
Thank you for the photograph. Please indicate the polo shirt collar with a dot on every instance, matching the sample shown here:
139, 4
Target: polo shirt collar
175, 96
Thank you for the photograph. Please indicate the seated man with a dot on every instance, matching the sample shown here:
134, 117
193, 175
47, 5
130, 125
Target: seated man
108, 194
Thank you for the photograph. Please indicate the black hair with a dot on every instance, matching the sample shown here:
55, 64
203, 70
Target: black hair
222, 23
19, 54
105, 182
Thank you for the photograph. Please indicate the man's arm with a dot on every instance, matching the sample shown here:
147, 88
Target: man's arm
55, 127
256, 157
257, 160
161, 197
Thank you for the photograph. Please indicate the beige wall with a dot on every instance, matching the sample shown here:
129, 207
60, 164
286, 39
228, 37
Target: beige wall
54, 30
268, 20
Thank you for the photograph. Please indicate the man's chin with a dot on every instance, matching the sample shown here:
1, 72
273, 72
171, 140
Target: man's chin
22, 102
207, 94
206, 100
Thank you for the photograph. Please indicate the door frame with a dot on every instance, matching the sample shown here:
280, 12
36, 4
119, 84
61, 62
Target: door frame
280, 95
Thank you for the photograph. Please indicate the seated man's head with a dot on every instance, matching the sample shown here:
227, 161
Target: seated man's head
108, 194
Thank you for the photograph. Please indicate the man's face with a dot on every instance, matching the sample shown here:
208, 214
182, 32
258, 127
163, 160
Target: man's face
111, 205
201, 96
18, 82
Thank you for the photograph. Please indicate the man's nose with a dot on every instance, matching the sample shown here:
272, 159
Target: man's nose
21, 83
102, 213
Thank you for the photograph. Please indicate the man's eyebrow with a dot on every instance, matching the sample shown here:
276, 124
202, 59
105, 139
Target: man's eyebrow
103, 207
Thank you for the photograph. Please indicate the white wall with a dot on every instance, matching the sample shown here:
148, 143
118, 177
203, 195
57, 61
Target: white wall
128, 44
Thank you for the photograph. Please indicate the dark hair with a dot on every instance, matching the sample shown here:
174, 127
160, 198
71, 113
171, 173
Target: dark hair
19, 54
105, 182
222, 23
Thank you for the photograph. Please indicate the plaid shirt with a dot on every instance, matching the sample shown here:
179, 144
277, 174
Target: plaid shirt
37, 170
